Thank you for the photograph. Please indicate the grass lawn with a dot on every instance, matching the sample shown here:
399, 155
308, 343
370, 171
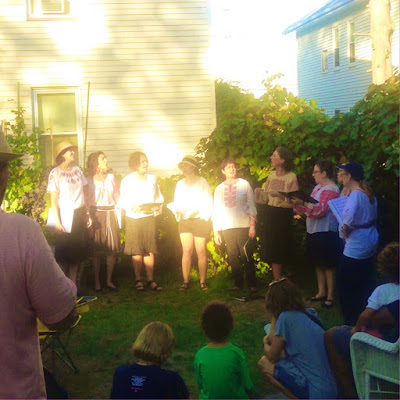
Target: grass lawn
103, 338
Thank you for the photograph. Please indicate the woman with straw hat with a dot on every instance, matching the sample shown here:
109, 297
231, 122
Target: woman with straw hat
193, 208
66, 187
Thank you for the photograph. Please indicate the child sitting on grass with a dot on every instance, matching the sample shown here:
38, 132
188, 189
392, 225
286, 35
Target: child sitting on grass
221, 368
295, 359
146, 379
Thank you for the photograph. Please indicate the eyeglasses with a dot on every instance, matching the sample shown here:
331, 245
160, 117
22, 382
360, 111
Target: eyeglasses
342, 174
276, 281
317, 172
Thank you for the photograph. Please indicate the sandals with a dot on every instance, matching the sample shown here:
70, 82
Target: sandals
153, 286
139, 286
184, 286
203, 287
314, 299
328, 304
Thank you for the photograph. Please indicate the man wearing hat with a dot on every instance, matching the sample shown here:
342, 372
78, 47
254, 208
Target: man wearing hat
32, 286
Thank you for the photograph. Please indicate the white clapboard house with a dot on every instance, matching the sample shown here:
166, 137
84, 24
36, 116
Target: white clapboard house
126, 74
334, 53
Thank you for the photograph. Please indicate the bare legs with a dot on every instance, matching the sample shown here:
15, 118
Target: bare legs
70, 270
276, 271
326, 282
110, 259
148, 261
188, 243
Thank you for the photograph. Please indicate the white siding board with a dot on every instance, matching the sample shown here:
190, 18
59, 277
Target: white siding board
148, 66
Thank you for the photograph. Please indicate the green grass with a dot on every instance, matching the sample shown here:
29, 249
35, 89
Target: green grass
103, 338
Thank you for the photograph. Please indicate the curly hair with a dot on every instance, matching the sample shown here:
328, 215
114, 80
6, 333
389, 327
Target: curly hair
154, 343
283, 295
288, 156
388, 262
134, 160
93, 163
217, 321
227, 161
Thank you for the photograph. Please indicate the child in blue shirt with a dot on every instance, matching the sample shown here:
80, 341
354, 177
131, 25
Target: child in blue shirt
146, 379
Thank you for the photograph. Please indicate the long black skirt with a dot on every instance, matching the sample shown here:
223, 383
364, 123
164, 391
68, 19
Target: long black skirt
72, 248
278, 235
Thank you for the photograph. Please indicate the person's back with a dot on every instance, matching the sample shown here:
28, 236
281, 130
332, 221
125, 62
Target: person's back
221, 368
221, 373
31, 286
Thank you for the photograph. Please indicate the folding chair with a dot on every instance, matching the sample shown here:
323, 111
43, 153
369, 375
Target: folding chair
58, 341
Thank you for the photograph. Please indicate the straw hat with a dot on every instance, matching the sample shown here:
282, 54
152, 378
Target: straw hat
190, 160
6, 153
62, 146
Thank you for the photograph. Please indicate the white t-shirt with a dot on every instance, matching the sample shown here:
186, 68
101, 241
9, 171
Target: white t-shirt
194, 201
136, 191
69, 186
383, 295
233, 206
32, 286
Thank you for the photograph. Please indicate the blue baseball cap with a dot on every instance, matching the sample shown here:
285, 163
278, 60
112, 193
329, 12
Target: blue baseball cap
354, 169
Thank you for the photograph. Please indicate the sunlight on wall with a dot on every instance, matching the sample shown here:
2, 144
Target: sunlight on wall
104, 103
87, 31
161, 153
68, 73
35, 77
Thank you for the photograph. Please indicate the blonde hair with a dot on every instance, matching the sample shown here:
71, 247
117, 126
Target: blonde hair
154, 343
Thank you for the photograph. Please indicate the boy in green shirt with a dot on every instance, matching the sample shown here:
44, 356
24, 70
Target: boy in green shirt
221, 368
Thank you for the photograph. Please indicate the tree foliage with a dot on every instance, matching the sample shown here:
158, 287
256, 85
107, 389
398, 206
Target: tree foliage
249, 129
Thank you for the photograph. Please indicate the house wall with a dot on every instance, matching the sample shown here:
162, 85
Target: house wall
145, 61
339, 88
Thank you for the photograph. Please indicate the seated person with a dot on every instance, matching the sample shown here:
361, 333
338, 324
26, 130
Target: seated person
146, 379
221, 368
295, 359
380, 318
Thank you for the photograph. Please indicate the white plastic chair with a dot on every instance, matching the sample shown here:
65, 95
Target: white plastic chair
375, 360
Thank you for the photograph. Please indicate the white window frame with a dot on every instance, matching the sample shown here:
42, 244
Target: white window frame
324, 61
39, 14
351, 41
78, 111
336, 46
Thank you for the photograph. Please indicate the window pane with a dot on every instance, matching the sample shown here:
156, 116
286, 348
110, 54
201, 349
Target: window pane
58, 109
336, 56
45, 142
324, 60
352, 52
52, 5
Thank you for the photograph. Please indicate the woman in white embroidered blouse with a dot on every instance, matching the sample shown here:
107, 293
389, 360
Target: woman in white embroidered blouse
234, 220
103, 197
66, 186
193, 209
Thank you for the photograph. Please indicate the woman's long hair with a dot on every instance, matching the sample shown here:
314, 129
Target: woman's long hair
93, 163
283, 295
288, 156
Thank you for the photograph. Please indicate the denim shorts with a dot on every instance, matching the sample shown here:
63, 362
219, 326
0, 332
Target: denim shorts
291, 377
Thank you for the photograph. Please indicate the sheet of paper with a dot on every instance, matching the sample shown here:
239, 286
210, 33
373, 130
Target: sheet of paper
67, 216
337, 206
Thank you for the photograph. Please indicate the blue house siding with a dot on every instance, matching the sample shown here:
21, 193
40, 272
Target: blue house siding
338, 88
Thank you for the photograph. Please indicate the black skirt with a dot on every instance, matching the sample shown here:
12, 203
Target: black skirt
72, 248
140, 236
278, 234
323, 249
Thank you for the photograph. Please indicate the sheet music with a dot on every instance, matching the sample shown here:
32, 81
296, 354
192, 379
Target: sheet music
337, 206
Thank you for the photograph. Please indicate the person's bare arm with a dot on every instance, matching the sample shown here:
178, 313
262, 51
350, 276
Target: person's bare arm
363, 320
274, 351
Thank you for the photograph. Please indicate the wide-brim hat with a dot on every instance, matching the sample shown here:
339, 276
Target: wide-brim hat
62, 146
6, 153
190, 160
354, 169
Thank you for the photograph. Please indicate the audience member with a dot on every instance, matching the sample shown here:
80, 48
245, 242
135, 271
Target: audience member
102, 199
234, 221
140, 190
278, 219
380, 318
295, 359
221, 368
32, 286
192, 208
146, 379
